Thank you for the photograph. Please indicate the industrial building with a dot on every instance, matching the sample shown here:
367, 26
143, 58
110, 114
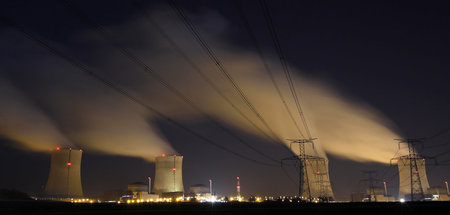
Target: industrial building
316, 180
168, 176
372, 194
439, 193
201, 193
199, 189
140, 190
64, 179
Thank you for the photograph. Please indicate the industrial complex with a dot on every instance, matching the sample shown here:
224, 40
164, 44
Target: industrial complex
147, 107
64, 183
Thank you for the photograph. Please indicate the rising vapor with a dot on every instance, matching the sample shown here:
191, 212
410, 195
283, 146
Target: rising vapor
23, 122
93, 117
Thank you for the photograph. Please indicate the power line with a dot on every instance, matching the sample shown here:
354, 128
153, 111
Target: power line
444, 162
392, 177
276, 42
238, 6
438, 145
191, 27
166, 36
119, 90
441, 132
146, 68
441, 153
287, 174
386, 170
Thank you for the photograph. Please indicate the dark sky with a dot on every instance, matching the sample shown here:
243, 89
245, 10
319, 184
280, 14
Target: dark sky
393, 56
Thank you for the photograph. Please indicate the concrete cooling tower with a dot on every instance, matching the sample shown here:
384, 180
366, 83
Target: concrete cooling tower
168, 174
412, 171
64, 179
315, 170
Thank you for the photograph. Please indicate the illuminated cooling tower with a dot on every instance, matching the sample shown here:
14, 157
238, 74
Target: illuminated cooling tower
168, 174
64, 179
316, 172
412, 171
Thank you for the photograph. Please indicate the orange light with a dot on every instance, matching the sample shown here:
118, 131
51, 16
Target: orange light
317, 172
239, 187
69, 164
163, 155
237, 178
81, 150
384, 182
173, 169
58, 148
417, 172
446, 182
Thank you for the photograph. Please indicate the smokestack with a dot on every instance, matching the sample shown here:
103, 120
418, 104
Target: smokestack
149, 185
238, 187
64, 179
168, 174
210, 186
446, 185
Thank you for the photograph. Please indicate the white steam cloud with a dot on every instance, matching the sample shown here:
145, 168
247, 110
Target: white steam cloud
95, 118
22, 122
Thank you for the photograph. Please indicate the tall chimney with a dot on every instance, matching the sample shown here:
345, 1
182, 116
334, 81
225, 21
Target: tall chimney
210, 186
238, 187
149, 185
446, 185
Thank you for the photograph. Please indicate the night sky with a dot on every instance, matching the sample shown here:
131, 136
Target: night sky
390, 56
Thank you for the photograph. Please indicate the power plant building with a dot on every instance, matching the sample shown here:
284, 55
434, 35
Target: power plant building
439, 193
316, 180
64, 179
374, 194
168, 175
199, 188
140, 191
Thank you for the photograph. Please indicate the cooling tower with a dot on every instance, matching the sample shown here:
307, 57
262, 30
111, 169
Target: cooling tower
168, 174
412, 169
64, 179
315, 170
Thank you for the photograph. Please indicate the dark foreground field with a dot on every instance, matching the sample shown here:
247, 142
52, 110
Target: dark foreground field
37, 207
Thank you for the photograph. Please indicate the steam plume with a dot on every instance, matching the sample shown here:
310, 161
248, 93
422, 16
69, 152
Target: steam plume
23, 122
94, 117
